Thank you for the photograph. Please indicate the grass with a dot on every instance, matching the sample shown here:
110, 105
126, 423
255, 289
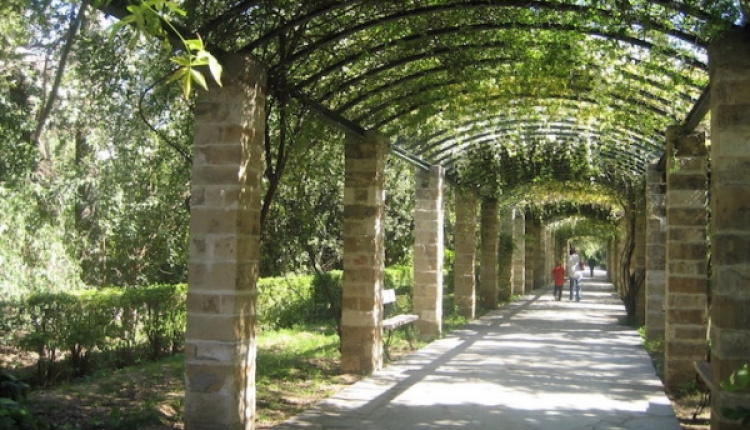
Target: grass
295, 369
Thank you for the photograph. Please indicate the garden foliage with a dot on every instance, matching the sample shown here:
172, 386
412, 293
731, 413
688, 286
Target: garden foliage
75, 333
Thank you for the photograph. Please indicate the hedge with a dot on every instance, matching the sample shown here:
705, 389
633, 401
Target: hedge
119, 326
74, 333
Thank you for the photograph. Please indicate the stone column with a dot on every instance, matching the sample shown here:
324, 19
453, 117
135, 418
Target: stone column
532, 253
729, 62
364, 253
540, 266
428, 252
638, 265
656, 241
220, 344
687, 269
488, 290
549, 255
505, 254
519, 252
465, 258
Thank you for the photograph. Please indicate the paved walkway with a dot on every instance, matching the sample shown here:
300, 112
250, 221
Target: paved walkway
535, 364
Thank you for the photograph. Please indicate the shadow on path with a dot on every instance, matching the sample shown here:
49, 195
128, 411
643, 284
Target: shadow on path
534, 364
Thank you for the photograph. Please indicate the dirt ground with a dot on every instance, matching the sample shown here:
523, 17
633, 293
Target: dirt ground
151, 398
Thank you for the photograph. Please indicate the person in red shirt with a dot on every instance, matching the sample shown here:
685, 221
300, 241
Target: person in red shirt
559, 274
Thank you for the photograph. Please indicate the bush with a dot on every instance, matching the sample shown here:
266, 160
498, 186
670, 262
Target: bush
284, 301
13, 415
110, 321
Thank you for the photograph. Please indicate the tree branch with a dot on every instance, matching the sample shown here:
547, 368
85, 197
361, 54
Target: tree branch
69, 40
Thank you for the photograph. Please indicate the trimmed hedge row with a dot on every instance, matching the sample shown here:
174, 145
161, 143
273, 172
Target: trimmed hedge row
117, 326
77, 332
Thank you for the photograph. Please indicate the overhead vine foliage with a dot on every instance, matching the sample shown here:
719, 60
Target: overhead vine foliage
610, 75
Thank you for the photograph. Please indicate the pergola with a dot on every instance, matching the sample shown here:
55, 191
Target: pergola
605, 92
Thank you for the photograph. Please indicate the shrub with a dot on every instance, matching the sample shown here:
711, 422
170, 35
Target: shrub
284, 301
13, 415
76, 325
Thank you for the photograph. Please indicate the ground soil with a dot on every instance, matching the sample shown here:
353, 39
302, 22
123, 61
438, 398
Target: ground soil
148, 399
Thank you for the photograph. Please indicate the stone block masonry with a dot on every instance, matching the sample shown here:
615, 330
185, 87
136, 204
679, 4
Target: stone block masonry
488, 283
729, 62
465, 241
220, 346
656, 239
519, 252
686, 262
428, 252
364, 253
505, 254
531, 249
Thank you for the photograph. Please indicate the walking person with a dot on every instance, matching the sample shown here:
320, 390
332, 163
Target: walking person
558, 273
575, 274
592, 263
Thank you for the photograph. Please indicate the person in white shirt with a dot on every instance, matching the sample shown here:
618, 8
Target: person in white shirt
574, 273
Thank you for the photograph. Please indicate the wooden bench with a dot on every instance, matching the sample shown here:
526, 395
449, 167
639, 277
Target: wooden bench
393, 322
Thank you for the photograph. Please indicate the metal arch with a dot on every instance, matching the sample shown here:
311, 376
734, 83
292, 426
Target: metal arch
446, 154
398, 61
581, 99
409, 109
482, 121
634, 151
433, 54
428, 145
693, 39
606, 14
445, 31
391, 86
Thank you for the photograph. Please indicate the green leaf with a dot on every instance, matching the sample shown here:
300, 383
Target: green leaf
194, 44
199, 78
182, 60
741, 378
178, 74
187, 85
216, 69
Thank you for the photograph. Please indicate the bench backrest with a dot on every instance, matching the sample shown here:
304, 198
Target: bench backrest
389, 300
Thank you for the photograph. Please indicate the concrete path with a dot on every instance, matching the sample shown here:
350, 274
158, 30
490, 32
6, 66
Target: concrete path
535, 364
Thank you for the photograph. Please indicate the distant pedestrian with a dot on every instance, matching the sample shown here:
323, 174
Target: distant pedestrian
559, 274
574, 274
592, 263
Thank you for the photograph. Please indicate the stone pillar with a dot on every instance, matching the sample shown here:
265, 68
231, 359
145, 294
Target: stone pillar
532, 253
364, 254
428, 252
519, 252
220, 344
638, 266
687, 269
729, 62
488, 263
540, 266
656, 241
505, 254
549, 255
465, 241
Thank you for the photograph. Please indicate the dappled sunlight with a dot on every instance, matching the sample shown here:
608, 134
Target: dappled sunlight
534, 364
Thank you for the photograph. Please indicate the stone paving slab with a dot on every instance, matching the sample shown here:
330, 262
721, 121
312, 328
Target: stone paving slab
535, 364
